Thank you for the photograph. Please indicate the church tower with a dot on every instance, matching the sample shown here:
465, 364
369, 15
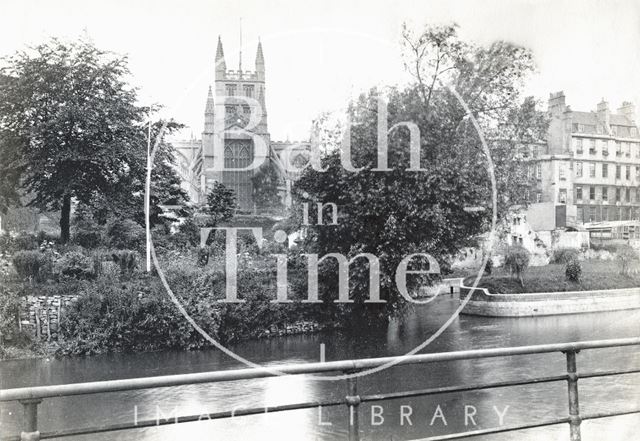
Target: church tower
237, 98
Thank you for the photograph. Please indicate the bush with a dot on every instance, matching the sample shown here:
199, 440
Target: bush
488, 268
610, 247
25, 241
124, 234
87, 233
517, 261
126, 260
626, 255
9, 309
130, 317
565, 255
76, 265
31, 265
573, 271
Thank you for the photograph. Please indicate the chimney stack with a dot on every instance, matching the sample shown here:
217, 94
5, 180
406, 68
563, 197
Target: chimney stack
629, 110
557, 103
604, 115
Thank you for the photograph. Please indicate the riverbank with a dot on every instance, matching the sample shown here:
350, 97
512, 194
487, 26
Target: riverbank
596, 275
485, 303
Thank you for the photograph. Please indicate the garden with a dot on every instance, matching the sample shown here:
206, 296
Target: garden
598, 268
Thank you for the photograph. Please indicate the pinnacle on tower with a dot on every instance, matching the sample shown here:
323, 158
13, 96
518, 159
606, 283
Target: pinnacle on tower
259, 58
210, 104
209, 118
220, 64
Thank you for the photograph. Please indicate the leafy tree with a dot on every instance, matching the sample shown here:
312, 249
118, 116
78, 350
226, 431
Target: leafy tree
220, 206
126, 195
69, 123
396, 212
265, 182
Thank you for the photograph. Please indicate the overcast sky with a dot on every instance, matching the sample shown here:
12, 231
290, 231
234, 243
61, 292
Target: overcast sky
319, 53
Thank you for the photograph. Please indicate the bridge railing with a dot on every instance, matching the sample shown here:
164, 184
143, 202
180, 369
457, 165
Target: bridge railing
31, 397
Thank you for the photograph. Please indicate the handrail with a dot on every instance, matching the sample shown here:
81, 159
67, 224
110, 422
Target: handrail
94, 387
30, 397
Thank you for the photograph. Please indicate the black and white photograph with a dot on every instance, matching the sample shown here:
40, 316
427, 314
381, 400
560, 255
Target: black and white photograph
358, 220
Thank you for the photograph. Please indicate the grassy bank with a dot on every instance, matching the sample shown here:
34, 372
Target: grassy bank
596, 274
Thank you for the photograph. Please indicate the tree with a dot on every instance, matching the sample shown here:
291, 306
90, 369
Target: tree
396, 212
126, 195
220, 206
69, 121
265, 182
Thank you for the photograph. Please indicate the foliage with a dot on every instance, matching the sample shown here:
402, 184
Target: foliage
626, 255
596, 274
127, 261
396, 212
610, 247
488, 268
573, 270
517, 261
265, 184
23, 241
87, 232
75, 265
129, 317
31, 265
124, 234
9, 313
565, 255
220, 205
188, 233
126, 196
70, 121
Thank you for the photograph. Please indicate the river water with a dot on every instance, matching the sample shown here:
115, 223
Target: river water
433, 415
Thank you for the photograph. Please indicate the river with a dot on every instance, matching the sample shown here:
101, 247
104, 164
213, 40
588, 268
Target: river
428, 414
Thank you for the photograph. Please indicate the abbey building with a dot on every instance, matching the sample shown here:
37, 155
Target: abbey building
236, 135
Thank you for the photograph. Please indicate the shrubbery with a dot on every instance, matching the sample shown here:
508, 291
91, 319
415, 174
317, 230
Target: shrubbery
610, 247
124, 234
134, 316
626, 255
32, 265
516, 261
565, 255
573, 270
126, 260
86, 232
76, 265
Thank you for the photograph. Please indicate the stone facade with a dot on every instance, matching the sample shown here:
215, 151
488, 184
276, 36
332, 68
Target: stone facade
236, 135
590, 160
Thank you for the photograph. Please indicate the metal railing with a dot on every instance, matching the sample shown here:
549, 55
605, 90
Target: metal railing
31, 397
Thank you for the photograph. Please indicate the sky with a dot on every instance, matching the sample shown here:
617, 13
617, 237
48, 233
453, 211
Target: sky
319, 53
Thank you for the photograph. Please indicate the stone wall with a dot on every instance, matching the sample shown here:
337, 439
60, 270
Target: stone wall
41, 315
482, 302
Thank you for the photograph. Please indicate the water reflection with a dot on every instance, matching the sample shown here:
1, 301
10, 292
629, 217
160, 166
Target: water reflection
467, 332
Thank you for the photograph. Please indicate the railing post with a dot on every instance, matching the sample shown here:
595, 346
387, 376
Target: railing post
30, 420
353, 401
574, 406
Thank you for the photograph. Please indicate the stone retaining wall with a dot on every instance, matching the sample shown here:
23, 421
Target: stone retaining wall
41, 315
484, 303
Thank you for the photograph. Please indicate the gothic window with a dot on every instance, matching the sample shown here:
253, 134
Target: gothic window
248, 90
231, 89
238, 154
